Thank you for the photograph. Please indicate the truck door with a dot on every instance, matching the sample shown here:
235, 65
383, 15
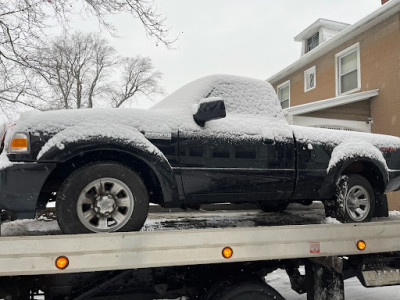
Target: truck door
237, 168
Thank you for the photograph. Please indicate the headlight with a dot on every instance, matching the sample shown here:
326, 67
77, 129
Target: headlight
19, 143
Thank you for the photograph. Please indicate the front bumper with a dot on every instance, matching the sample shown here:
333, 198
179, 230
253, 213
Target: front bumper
20, 186
394, 181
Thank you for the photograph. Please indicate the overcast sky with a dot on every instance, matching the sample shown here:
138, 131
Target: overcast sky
244, 37
251, 38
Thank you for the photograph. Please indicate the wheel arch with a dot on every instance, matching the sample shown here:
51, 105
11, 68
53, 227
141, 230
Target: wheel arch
372, 169
155, 171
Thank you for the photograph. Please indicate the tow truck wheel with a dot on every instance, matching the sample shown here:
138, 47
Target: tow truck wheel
255, 290
355, 199
102, 197
273, 206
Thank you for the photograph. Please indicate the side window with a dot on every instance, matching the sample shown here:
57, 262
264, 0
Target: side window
283, 91
348, 75
313, 42
310, 81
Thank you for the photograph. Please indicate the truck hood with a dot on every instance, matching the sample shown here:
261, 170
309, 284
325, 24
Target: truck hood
52, 122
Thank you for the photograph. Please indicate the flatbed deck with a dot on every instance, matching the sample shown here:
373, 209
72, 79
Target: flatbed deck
116, 251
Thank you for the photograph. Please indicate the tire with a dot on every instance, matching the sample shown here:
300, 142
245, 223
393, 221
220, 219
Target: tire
254, 290
355, 200
102, 197
273, 206
381, 205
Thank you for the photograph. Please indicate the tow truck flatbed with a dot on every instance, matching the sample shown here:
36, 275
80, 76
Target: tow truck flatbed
133, 250
185, 261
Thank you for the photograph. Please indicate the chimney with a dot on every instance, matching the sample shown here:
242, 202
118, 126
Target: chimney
384, 1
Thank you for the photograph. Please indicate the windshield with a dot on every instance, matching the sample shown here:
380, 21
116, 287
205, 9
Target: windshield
241, 95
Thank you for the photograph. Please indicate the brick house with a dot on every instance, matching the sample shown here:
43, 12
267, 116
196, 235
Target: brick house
348, 76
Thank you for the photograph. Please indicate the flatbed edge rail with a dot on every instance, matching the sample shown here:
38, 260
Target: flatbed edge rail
34, 255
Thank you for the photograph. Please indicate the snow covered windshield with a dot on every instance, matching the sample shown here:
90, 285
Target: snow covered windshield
241, 96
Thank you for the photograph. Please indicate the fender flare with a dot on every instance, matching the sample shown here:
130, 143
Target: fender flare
328, 187
157, 163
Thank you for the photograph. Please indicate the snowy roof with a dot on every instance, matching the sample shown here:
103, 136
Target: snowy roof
314, 27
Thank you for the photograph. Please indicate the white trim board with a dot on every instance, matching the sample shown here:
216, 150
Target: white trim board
331, 102
331, 123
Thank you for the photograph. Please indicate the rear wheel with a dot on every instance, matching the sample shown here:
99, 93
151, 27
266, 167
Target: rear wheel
102, 197
355, 199
254, 290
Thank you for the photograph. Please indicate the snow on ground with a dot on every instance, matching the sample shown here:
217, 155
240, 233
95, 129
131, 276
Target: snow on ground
353, 289
160, 219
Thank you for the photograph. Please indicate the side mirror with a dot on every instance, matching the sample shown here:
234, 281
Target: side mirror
209, 109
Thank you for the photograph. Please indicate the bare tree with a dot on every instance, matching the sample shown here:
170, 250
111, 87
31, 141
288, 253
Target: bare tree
3, 128
138, 77
23, 28
78, 70
23, 23
72, 70
15, 88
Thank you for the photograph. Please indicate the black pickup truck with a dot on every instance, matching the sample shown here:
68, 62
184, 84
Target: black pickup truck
218, 139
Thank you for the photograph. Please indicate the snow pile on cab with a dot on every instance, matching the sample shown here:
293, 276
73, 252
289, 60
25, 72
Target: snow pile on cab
241, 95
253, 110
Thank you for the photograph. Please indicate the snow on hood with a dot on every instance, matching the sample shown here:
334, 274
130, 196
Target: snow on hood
253, 110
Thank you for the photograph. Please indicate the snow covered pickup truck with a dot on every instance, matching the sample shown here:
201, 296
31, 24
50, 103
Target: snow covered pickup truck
218, 139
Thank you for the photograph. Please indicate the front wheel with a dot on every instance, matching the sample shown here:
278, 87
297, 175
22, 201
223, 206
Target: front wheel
355, 199
102, 197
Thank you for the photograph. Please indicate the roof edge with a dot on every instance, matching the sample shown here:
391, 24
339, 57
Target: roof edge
329, 103
318, 24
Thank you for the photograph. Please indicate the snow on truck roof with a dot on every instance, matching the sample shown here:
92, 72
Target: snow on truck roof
240, 94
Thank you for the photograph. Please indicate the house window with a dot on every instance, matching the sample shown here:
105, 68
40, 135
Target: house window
348, 70
284, 94
313, 42
310, 79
